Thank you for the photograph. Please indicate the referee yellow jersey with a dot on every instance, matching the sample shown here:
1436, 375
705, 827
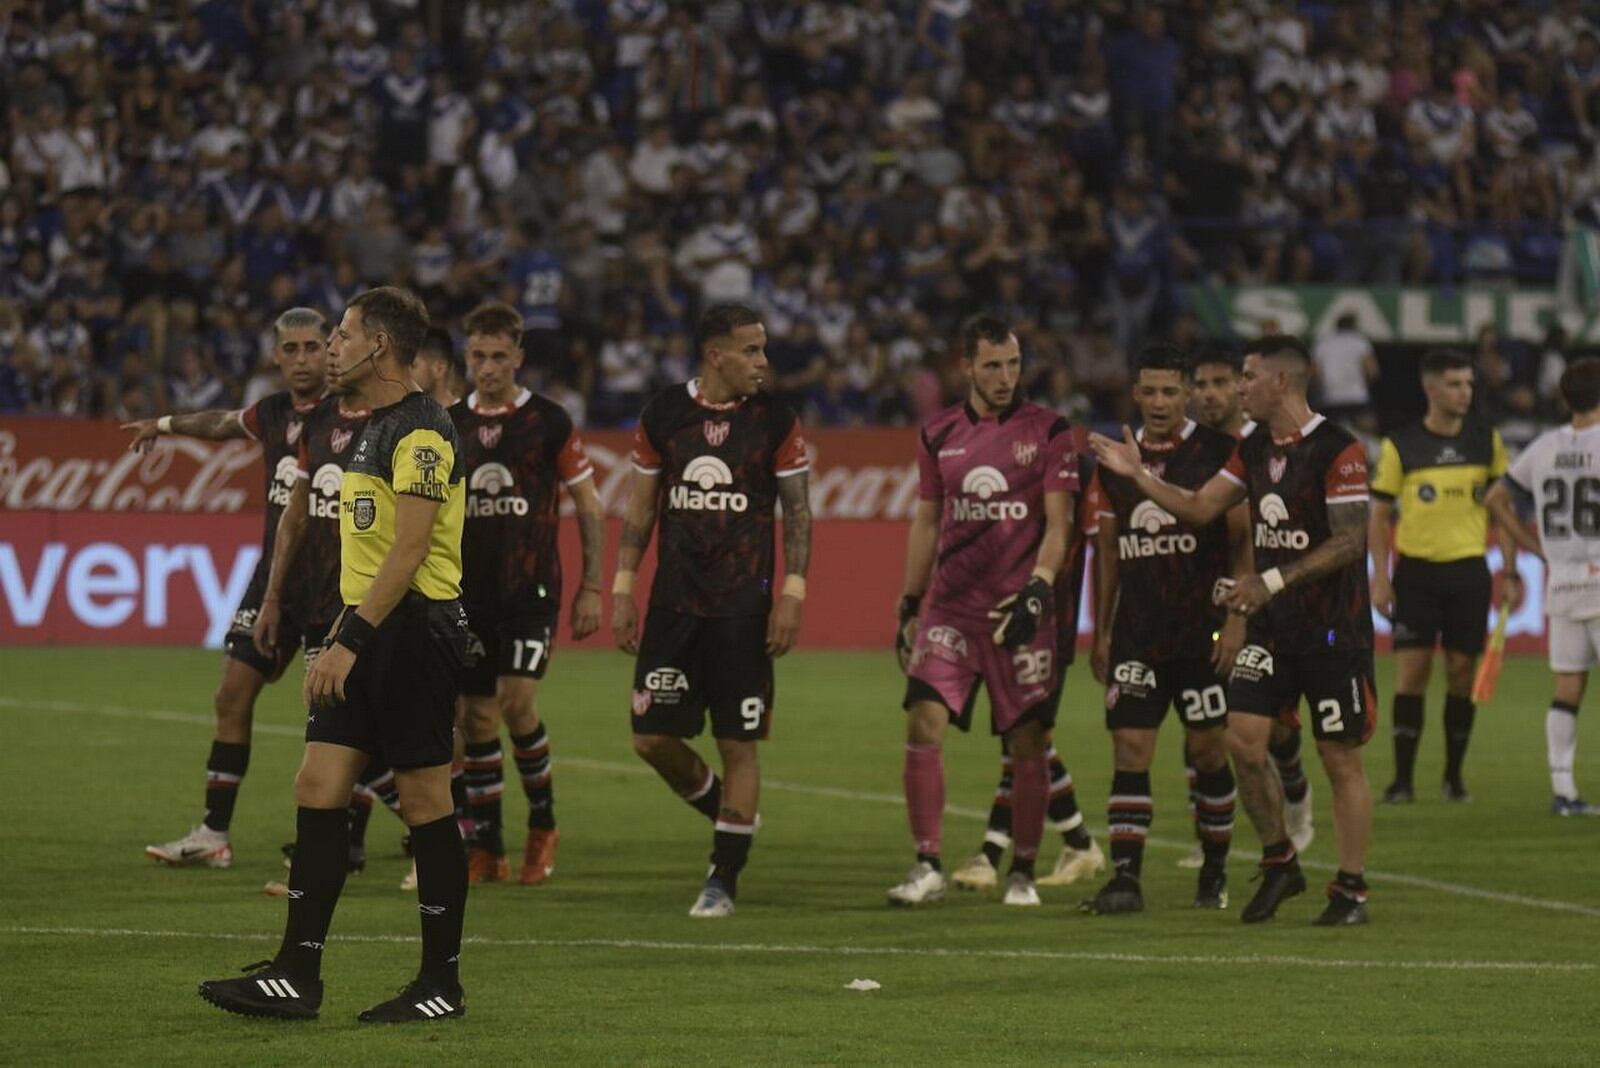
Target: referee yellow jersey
408, 447
1437, 483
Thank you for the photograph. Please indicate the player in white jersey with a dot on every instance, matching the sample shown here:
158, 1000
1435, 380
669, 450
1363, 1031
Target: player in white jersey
1561, 470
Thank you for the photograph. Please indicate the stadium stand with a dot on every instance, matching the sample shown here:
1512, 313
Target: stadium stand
867, 173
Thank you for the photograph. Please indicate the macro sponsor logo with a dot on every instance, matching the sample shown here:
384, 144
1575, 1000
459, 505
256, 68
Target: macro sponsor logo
325, 486
484, 489
1273, 511
698, 491
283, 479
1148, 520
983, 482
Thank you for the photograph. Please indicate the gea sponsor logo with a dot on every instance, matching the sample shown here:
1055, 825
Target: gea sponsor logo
1150, 518
104, 584
983, 482
1254, 658
491, 480
1273, 511
698, 493
177, 475
948, 638
1135, 673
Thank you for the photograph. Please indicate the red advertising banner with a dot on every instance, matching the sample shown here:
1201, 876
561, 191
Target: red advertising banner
69, 574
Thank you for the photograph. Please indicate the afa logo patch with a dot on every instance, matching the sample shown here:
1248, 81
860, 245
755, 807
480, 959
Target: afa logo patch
364, 512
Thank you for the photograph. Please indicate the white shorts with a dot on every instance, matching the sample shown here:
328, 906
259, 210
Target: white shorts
1574, 644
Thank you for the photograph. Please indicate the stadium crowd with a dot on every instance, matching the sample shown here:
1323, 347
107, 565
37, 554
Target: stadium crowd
176, 173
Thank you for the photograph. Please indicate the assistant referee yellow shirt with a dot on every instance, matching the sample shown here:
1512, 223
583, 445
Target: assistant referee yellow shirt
408, 447
1438, 484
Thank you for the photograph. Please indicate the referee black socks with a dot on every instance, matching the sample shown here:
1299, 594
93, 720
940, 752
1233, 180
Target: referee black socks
441, 897
1458, 715
316, 878
1407, 733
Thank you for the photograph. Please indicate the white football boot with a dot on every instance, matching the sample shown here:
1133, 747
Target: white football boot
975, 873
201, 847
923, 885
1075, 864
1020, 891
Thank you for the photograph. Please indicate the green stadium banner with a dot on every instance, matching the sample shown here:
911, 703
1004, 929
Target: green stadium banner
1388, 314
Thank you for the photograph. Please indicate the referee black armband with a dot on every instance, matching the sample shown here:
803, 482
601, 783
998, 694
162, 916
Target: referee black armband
355, 632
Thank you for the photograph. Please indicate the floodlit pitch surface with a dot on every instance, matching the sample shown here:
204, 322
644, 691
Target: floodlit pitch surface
1484, 945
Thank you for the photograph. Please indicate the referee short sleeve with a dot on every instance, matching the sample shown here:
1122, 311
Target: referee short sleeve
1390, 475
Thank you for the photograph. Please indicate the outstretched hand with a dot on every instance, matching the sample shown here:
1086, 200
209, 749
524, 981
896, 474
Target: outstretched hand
1120, 457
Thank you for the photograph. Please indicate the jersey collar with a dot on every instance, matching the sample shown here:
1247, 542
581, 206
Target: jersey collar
699, 398
1000, 417
1303, 433
522, 398
1157, 446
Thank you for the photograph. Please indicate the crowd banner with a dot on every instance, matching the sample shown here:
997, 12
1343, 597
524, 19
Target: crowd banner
169, 567
1390, 314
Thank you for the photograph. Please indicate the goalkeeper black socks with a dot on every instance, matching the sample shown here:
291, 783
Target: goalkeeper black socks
316, 878
441, 897
1459, 713
1407, 733
225, 769
532, 754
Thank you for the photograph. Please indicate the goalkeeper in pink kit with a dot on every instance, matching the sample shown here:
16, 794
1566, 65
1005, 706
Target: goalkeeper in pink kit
998, 482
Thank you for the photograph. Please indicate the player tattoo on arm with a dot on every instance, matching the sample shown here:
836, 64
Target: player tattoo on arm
214, 425
285, 543
795, 493
1346, 543
637, 525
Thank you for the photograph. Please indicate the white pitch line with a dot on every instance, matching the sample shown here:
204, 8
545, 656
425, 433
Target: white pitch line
839, 794
944, 952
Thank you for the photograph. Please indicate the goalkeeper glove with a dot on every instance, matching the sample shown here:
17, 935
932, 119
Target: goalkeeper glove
906, 633
1019, 614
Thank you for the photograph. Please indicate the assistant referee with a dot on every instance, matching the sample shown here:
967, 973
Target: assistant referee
386, 684
1435, 473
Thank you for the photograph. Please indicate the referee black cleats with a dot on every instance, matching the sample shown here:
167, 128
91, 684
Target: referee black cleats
266, 991
1455, 790
1399, 793
420, 1001
1212, 890
1278, 882
1121, 894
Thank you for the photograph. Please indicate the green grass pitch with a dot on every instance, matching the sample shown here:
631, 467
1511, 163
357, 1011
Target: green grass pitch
1483, 945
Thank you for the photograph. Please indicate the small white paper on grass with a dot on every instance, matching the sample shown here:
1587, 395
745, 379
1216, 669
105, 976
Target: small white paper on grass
863, 984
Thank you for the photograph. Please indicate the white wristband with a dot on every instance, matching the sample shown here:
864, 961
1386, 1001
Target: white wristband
164, 425
623, 583
1273, 580
794, 586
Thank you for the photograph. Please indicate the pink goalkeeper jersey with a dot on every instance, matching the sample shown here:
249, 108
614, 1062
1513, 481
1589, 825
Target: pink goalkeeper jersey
991, 475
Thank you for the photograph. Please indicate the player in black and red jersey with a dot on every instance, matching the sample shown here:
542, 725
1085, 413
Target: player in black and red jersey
1216, 405
276, 421
1160, 638
1309, 613
712, 457
518, 449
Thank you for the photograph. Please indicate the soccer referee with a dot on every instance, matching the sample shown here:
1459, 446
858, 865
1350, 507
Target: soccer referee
1436, 472
385, 686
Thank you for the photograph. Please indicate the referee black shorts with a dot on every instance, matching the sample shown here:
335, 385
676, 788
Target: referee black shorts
400, 697
1444, 603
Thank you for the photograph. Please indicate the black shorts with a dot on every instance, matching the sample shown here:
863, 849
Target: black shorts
240, 641
1337, 685
1139, 694
400, 697
1447, 603
516, 645
688, 665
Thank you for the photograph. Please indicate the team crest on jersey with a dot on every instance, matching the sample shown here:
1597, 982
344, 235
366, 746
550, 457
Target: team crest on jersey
1024, 451
293, 432
489, 434
1276, 467
641, 702
340, 440
716, 432
1158, 469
